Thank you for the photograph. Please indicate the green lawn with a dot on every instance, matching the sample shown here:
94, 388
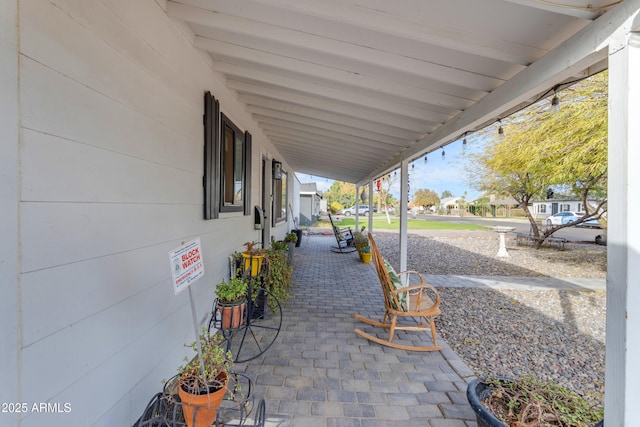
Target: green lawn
380, 222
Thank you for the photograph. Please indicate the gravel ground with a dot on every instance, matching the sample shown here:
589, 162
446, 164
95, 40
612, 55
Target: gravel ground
557, 335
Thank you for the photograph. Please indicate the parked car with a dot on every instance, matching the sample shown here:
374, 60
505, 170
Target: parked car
362, 210
591, 223
561, 218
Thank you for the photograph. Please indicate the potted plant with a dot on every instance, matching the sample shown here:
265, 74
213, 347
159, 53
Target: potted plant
291, 239
277, 275
203, 382
252, 257
527, 401
360, 240
298, 233
232, 301
365, 254
279, 245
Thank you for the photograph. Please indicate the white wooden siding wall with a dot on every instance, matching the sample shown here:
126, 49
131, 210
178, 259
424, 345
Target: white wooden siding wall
9, 280
112, 138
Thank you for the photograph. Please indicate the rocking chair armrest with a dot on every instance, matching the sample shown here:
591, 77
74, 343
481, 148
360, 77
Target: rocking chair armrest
420, 288
410, 272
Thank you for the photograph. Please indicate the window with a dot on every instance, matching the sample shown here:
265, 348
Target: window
227, 163
565, 208
232, 183
235, 167
543, 208
280, 202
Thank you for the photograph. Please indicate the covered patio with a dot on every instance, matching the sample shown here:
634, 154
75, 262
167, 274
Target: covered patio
319, 373
107, 164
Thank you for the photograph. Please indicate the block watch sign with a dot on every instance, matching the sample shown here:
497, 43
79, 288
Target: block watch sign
186, 265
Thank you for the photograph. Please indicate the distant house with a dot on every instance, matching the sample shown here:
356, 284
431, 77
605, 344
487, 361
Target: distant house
449, 204
545, 208
310, 199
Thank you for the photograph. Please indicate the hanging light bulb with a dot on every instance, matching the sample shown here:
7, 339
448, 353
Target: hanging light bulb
413, 166
464, 144
442, 153
500, 129
425, 159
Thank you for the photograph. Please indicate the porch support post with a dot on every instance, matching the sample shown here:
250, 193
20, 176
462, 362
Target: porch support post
623, 249
370, 226
404, 199
356, 227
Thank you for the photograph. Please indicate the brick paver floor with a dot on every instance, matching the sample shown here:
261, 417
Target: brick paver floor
319, 373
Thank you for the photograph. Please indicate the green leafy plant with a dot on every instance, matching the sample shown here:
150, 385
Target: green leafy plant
233, 290
291, 237
360, 240
198, 377
365, 249
277, 275
279, 245
531, 402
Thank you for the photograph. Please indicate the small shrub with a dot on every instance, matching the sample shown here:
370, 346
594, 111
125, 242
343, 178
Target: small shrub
531, 402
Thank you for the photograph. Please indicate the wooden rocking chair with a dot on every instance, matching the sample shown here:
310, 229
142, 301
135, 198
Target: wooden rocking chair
412, 301
344, 239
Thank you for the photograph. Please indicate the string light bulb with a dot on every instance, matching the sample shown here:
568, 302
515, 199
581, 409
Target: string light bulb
464, 144
500, 129
425, 159
443, 155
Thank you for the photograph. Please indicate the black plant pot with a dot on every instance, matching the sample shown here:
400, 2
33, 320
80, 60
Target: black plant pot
259, 305
477, 390
299, 234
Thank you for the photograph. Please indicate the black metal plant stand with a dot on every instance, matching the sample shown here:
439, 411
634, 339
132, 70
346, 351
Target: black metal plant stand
239, 407
260, 324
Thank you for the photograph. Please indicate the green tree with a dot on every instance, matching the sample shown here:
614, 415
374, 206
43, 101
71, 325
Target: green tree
336, 206
426, 198
445, 194
543, 149
342, 193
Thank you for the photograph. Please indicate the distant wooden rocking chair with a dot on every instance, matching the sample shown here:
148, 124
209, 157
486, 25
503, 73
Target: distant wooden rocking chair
344, 239
411, 301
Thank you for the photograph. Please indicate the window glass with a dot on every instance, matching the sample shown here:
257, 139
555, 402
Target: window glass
238, 168
233, 164
280, 203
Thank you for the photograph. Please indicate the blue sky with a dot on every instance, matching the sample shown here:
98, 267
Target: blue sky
436, 174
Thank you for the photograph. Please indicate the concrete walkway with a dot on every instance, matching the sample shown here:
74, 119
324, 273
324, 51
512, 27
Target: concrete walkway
319, 373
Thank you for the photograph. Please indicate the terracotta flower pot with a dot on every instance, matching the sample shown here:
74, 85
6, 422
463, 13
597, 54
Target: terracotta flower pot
232, 314
205, 406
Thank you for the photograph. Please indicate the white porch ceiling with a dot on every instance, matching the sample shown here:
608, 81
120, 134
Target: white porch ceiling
346, 89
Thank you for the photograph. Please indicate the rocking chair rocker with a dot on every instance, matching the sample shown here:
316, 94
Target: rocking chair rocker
412, 301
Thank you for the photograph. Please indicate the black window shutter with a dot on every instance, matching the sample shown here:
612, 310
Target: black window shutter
247, 173
210, 179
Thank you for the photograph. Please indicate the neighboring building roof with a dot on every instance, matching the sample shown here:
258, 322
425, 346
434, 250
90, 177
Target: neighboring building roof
310, 189
450, 200
504, 201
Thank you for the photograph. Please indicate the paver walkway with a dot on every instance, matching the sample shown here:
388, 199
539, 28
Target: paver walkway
319, 373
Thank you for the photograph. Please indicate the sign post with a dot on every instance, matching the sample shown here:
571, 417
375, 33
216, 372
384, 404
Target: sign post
186, 268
